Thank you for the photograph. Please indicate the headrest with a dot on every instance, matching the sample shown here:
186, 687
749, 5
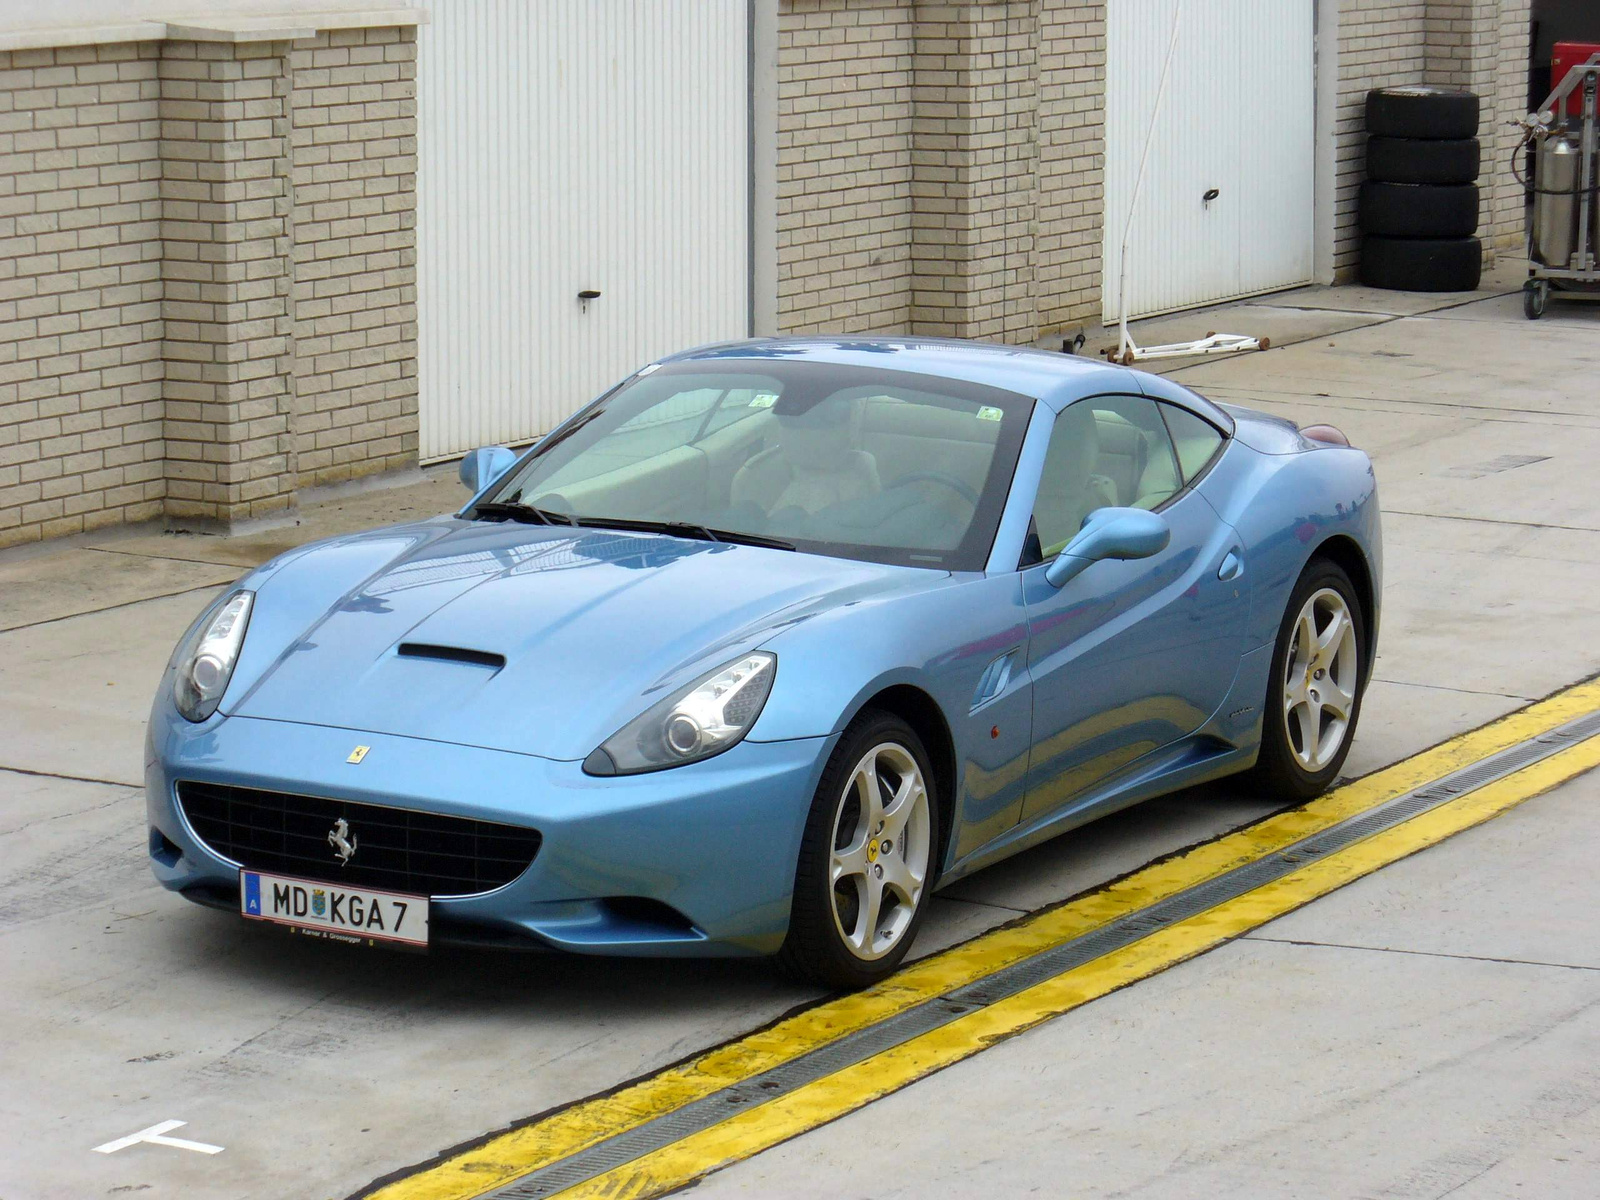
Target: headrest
819, 438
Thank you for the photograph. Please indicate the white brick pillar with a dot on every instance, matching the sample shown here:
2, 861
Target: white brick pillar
353, 153
975, 159
1482, 46
226, 275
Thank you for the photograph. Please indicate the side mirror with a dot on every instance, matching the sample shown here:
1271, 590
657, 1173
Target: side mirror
483, 466
1110, 533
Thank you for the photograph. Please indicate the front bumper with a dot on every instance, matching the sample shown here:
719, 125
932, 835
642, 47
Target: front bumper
715, 841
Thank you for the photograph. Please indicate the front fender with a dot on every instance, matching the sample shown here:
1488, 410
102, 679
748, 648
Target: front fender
964, 646
940, 641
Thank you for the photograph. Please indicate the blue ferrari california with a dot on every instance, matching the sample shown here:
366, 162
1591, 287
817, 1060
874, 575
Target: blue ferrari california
761, 647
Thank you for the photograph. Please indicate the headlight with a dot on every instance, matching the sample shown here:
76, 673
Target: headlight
205, 661
695, 722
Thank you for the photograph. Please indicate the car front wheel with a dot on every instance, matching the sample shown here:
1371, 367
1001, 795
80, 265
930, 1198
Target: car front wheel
866, 858
1314, 693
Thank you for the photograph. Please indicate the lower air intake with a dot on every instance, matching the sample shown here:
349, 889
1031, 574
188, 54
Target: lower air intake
397, 849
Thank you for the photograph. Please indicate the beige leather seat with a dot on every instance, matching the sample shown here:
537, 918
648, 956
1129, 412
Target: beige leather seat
1070, 488
814, 465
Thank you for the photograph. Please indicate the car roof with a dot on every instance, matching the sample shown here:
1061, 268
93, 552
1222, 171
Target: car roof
1053, 379
1057, 379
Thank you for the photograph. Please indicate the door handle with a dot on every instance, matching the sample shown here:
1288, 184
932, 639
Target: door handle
1232, 567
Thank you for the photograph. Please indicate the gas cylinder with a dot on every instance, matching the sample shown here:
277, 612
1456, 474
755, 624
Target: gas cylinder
1555, 215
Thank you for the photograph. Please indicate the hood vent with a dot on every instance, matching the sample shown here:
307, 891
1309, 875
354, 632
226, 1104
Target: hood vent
478, 658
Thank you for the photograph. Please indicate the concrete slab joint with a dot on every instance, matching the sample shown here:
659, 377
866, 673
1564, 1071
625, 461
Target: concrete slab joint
207, 290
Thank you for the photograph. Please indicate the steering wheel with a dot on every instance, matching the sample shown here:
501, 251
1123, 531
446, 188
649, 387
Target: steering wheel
949, 481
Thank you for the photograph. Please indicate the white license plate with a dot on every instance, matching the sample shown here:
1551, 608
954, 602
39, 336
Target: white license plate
342, 914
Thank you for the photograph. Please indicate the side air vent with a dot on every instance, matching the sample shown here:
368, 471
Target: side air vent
480, 658
994, 679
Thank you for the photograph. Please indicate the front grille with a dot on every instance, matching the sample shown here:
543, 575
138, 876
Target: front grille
397, 849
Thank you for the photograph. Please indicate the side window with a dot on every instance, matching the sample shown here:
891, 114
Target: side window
1196, 440
1104, 451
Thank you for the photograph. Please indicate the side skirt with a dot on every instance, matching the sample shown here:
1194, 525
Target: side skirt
1193, 760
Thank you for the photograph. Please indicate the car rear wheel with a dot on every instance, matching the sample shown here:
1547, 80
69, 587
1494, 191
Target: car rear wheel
1315, 689
866, 859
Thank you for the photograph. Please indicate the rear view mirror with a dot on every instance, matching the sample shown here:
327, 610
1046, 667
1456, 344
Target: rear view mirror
483, 466
1110, 533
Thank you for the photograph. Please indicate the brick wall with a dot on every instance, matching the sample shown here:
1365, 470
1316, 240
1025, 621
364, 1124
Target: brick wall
1480, 45
355, 302
1005, 134
225, 278
1072, 131
975, 170
844, 165
207, 276
1505, 215
860, 217
1380, 45
80, 290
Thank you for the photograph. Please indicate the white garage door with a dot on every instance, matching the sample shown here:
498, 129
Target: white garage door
564, 146
1238, 120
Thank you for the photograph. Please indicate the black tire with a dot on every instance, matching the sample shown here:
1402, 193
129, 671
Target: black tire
1422, 112
1277, 772
1425, 210
814, 949
1421, 160
1422, 264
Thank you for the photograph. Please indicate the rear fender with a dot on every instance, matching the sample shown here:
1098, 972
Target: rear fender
1286, 506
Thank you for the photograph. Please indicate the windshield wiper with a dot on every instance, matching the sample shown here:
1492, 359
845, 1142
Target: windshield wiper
685, 529
528, 514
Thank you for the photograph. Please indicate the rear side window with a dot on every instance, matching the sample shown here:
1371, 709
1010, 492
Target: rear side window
1196, 440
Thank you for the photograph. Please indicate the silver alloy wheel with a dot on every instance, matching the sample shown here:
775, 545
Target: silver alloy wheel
882, 841
1319, 680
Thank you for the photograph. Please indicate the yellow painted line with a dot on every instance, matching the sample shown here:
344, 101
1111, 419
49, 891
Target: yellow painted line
506, 1156
815, 1104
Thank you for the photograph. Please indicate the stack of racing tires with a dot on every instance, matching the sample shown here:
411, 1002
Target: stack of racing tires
1419, 205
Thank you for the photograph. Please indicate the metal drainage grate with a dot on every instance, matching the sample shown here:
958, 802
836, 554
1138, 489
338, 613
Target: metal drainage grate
939, 1011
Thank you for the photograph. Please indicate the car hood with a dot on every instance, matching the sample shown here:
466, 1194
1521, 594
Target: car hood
533, 640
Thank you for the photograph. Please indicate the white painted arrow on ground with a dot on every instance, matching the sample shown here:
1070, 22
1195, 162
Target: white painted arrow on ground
156, 1136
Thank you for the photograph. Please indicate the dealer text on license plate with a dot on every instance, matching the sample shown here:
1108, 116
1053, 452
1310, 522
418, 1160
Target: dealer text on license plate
342, 914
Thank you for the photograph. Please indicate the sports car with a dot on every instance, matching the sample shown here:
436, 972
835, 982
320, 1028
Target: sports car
760, 648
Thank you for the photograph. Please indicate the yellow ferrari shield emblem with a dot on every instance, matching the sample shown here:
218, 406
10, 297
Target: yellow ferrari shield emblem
358, 754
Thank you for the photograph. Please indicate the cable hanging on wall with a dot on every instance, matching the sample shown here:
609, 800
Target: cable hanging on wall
1127, 351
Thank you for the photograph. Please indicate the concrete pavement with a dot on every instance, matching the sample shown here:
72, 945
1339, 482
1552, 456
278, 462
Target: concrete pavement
1432, 1030
318, 1072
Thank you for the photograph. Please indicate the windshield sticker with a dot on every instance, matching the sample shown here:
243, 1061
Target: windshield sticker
763, 400
989, 414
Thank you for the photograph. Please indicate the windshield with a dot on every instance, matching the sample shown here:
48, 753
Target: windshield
886, 466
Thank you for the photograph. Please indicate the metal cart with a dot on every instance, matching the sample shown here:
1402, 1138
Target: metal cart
1562, 233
